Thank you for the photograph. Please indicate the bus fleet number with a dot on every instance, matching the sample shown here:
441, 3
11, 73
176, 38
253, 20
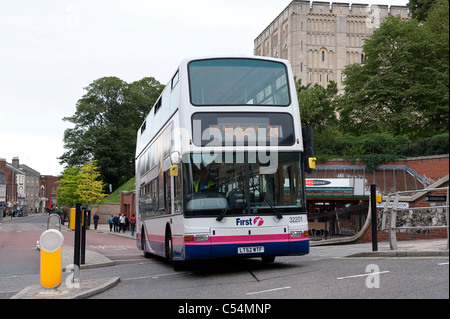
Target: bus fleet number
296, 219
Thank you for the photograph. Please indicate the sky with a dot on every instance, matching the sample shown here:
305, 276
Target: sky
50, 50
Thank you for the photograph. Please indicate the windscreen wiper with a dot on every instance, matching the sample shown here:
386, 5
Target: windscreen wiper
268, 200
274, 209
223, 212
236, 197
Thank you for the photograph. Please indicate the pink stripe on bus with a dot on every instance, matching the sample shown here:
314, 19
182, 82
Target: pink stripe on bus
249, 239
227, 240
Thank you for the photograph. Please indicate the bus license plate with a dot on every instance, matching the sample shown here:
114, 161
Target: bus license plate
251, 250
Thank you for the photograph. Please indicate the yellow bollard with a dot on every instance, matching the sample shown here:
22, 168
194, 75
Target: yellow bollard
51, 244
72, 218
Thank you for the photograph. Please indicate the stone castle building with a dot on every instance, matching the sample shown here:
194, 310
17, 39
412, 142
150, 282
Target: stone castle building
320, 39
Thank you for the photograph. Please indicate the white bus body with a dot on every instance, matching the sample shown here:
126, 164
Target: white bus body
220, 163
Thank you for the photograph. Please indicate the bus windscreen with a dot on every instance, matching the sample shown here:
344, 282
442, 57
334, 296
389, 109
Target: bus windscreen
228, 82
213, 187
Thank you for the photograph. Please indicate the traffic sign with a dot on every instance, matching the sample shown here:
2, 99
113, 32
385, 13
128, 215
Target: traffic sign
436, 198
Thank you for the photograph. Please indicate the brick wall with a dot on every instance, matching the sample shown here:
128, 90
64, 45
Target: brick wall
434, 167
105, 211
128, 203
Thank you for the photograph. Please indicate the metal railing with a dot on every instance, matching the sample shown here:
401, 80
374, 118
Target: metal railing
340, 222
54, 219
417, 218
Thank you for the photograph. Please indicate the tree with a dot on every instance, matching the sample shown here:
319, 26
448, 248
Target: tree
421, 8
68, 184
106, 121
80, 185
402, 88
89, 187
438, 19
142, 95
317, 107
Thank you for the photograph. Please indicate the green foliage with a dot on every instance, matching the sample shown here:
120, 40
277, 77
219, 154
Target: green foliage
438, 19
106, 120
420, 8
317, 107
375, 149
80, 185
68, 184
402, 89
114, 197
90, 189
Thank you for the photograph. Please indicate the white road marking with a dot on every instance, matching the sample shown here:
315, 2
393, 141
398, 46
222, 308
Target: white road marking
363, 275
153, 276
269, 290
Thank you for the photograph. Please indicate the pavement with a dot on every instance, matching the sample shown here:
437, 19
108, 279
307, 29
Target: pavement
84, 288
87, 288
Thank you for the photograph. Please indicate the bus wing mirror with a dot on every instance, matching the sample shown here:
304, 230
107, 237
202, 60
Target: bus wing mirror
174, 170
312, 162
174, 157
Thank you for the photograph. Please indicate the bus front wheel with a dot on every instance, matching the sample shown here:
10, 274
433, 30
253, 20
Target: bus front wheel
169, 245
176, 264
144, 245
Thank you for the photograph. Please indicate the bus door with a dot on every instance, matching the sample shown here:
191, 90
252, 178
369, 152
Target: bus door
169, 192
168, 188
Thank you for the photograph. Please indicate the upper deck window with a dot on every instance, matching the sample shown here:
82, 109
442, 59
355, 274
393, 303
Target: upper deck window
238, 82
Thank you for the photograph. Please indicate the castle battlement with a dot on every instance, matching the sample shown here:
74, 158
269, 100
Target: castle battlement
349, 8
320, 38
338, 8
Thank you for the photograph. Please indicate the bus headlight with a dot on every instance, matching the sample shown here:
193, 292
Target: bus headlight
298, 234
202, 237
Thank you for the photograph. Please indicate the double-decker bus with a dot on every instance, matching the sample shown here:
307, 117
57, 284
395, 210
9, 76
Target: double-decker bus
220, 164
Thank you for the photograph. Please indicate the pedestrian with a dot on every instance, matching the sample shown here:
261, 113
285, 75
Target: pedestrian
116, 223
96, 218
132, 225
111, 222
122, 223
